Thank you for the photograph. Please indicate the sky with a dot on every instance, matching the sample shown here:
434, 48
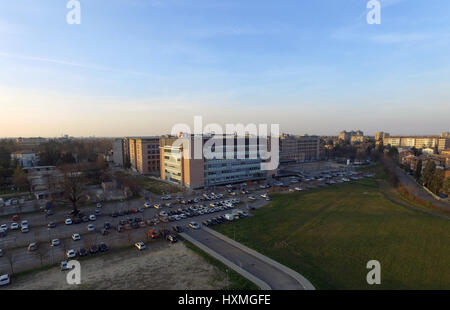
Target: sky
138, 67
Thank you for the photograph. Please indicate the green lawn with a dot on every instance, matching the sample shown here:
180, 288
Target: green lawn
156, 186
329, 235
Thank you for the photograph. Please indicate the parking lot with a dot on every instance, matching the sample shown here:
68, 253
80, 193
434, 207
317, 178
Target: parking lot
123, 223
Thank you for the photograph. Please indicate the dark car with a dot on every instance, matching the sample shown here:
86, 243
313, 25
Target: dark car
107, 225
93, 249
51, 225
119, 228
121, 213
122, 222
138, 219
49, 212
205, 223
135, 225
115, 214
77, 221
85, 219
82, 252
103, 247
104, 231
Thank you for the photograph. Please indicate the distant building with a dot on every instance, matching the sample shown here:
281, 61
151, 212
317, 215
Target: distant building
144, 154
418, 142
379, 136
30, 142
299, 148
25, 158
352, 136
118, 154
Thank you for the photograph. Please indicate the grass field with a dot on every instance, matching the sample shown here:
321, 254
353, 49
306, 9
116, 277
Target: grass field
330, 234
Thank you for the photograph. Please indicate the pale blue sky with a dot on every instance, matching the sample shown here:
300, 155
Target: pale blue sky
137, 67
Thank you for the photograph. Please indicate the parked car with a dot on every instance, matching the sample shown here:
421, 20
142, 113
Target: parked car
55, 242
76, 237
103, 247
64, 265
82, 252
99, 205
4, 279
14, 226
92, 217
147, 205
68, 222
51, 225
140, 246
93, 249
71, 253
194, 225
152, 234
91, 227
172, 239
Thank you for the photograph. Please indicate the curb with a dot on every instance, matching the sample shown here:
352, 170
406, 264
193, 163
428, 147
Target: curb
300, 279
263, 285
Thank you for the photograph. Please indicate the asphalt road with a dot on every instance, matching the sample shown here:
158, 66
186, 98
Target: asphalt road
275, 278
418, 191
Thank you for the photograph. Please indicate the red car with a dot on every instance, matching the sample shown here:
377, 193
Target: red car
134, 211
15, 218
152, 234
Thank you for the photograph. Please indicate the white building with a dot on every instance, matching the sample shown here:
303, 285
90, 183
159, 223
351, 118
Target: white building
25, 158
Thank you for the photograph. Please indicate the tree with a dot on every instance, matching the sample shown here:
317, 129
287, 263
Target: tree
393, 153
5, 158
74, 183
361, 155
428, 172
446, 186
418, 172
436, 181
20, 178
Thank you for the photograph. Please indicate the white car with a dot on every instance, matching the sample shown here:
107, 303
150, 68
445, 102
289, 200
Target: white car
92, 217
76, 237
64, 266
194, 225
4, 279
24, 223
163, 213
4, 227
140, 246
99, 205
91, 227
68, 221
55, 242
14, 226
71, 253
24, 229
147, 205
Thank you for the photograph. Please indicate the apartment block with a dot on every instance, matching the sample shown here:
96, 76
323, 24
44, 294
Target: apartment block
352, 136
144, 154
118, 152
299, 148
238, 161
418, 142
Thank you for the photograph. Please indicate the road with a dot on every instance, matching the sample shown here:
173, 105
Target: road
274, 277
418, 191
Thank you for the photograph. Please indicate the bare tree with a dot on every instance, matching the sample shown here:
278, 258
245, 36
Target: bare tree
74, 183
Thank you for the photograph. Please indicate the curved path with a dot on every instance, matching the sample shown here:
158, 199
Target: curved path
258, 268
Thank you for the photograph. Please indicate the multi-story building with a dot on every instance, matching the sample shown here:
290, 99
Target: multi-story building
379, 136
299, 148
352, 136
118, 153
144, 154
418, 142
238, 161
